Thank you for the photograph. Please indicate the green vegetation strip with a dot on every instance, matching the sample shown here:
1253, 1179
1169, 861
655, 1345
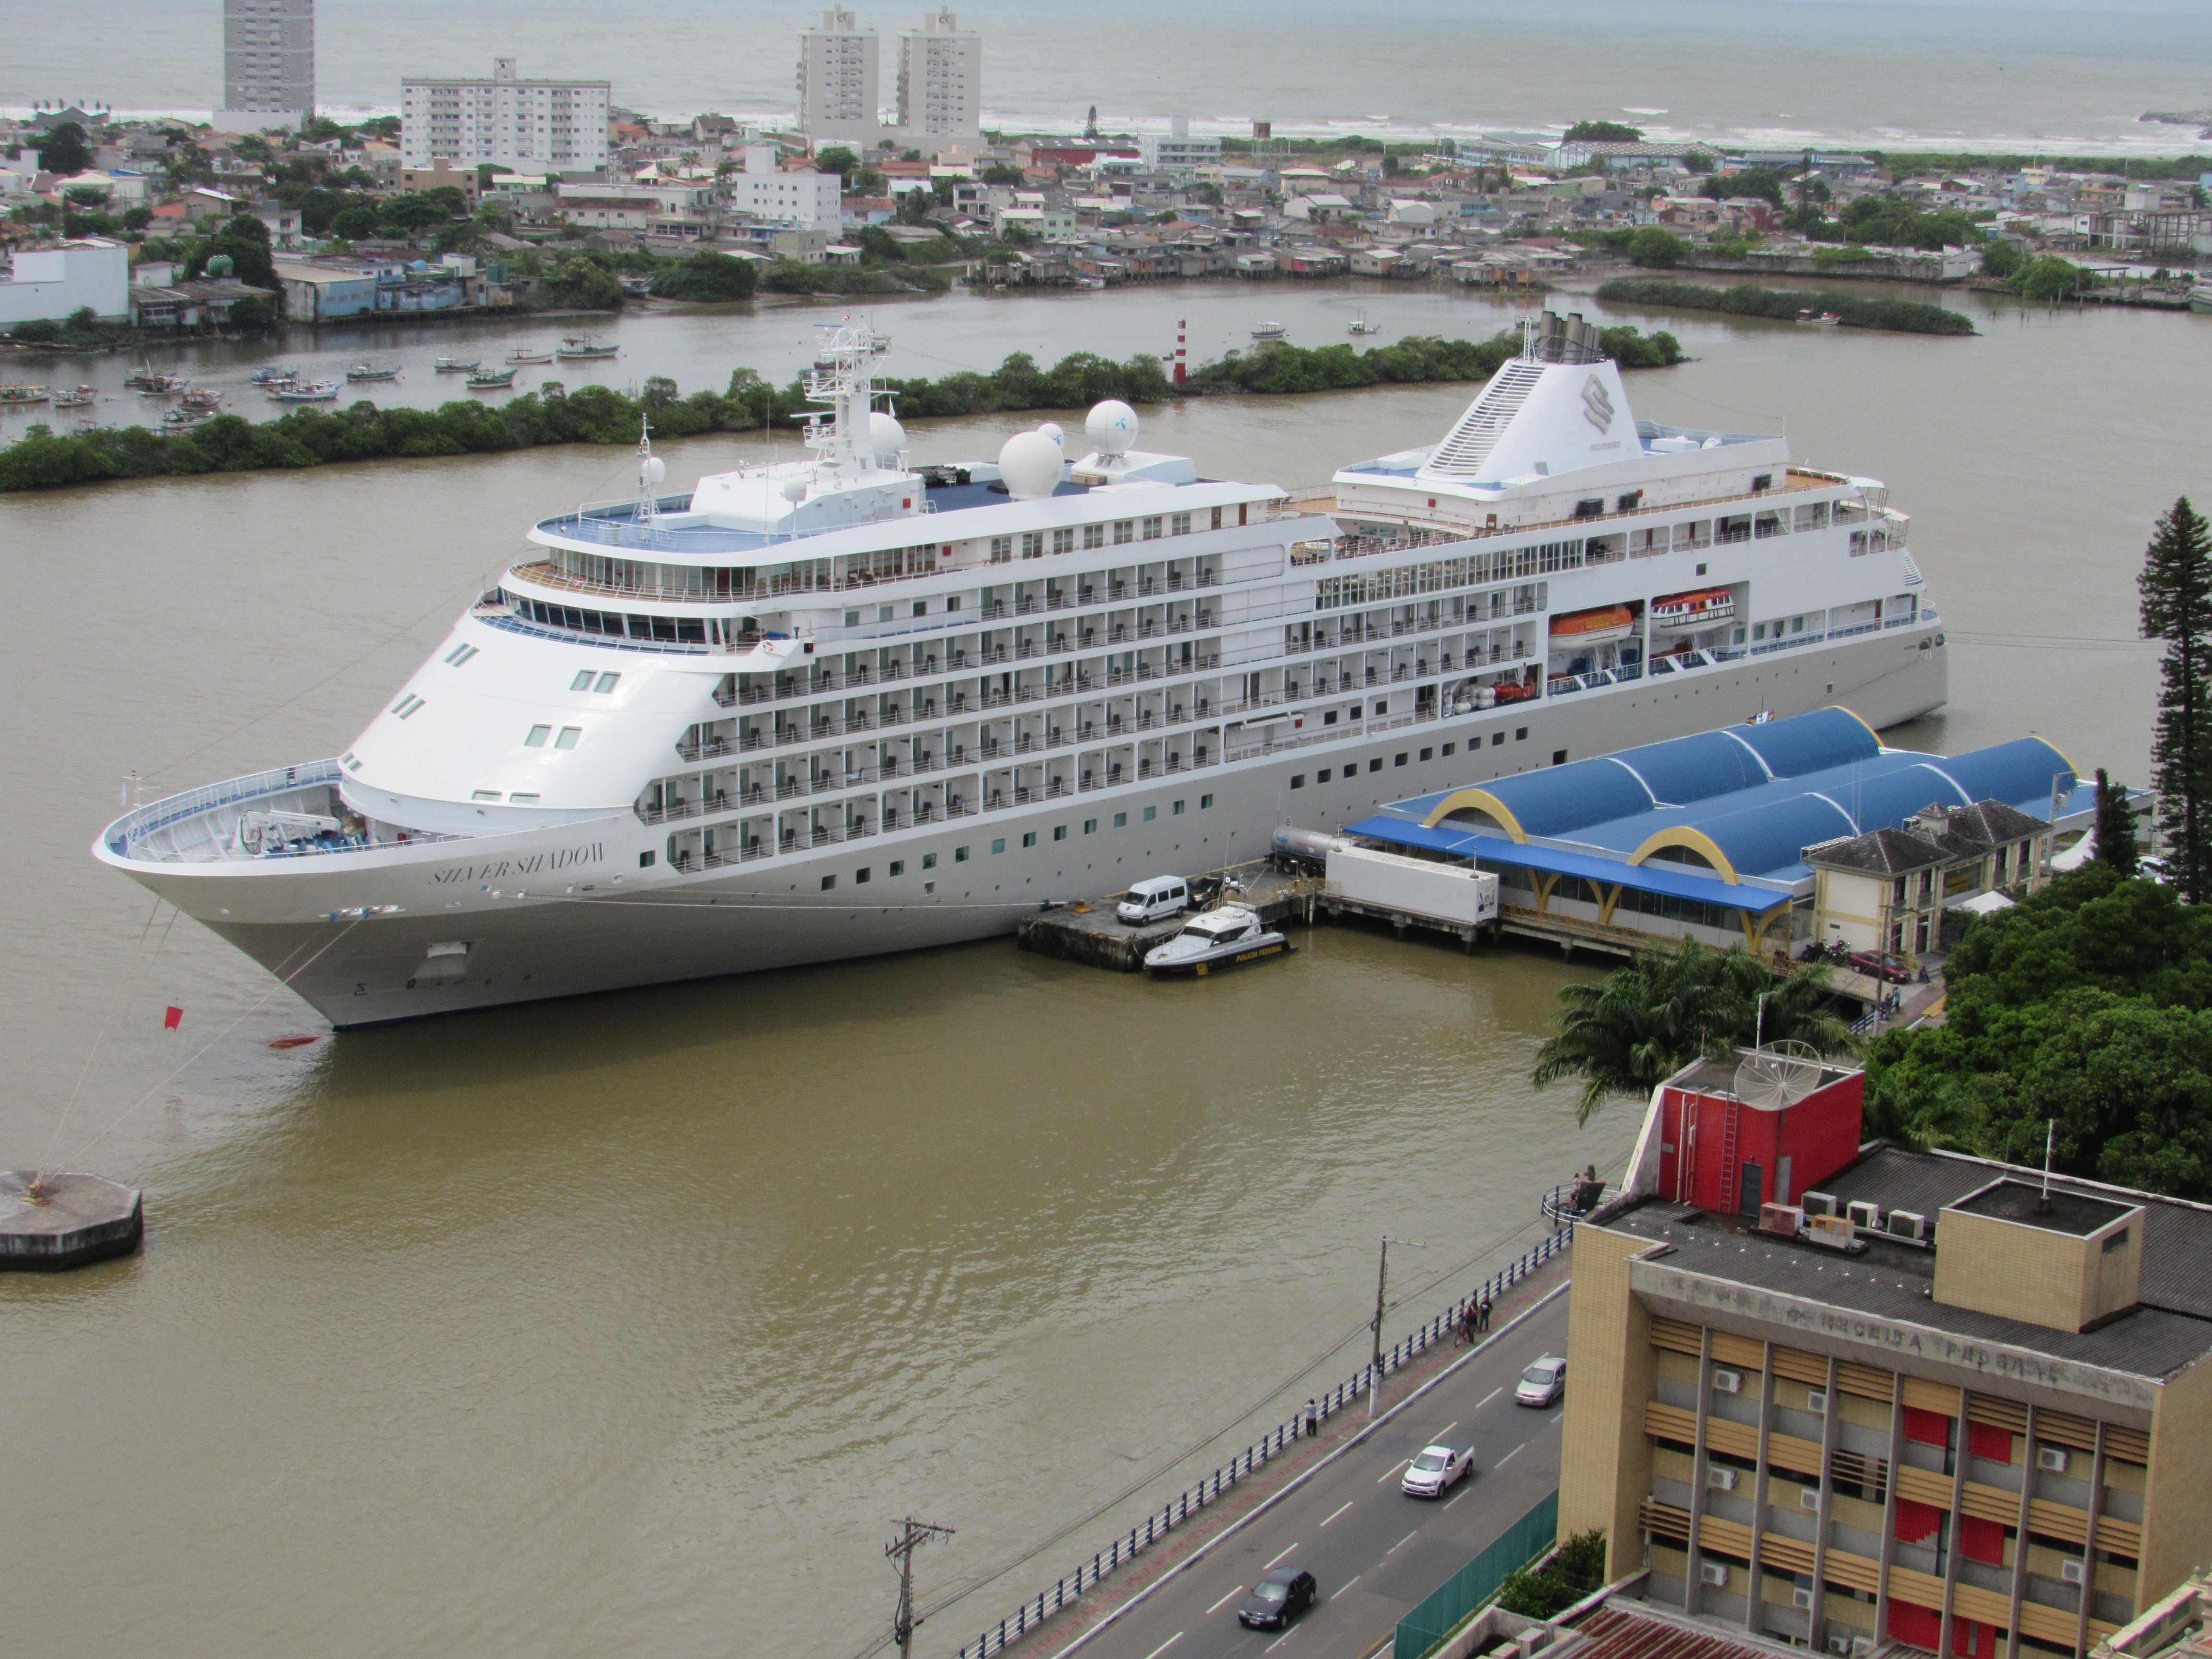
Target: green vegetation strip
599, 415
1748, 300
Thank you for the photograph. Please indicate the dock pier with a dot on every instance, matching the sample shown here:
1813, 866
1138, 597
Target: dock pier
1087, 932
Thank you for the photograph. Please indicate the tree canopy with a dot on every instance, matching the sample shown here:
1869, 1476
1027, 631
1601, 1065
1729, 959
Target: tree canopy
2176, 587
64, 149
706, 276
1603, 132
1630, 1031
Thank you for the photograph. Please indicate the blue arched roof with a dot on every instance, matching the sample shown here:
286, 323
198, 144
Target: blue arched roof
1696, 768
1816, 742
2020, 771
1768, 836
1562, 798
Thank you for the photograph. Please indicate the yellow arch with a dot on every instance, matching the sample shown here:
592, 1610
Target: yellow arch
1698, 841
1855, 716
2063, 755
1482, 800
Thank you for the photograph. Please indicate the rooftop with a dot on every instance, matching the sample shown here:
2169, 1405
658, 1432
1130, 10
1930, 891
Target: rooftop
2062, 1212
2169, 1330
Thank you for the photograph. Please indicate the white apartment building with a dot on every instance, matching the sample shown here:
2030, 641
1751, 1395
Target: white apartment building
940, 85
1176, 151
268, 65
530, 126
49, 284
806, 201
840, 83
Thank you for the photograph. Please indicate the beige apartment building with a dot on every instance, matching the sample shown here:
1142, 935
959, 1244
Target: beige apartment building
1914, 1403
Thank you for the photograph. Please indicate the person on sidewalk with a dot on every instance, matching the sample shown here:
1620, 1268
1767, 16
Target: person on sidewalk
1482, 1318
1313, 1419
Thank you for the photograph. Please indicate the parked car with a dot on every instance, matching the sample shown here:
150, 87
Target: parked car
1154, 900
1277, 1599
1880, 965
1433, 1473
1543, 1382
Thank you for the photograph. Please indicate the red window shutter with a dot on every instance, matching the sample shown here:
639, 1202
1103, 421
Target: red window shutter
1983, 1541
1917, 1521
1991, 1441
1915, 1626
1930, 1428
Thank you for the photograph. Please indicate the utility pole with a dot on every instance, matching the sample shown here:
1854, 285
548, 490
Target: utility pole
1381, 1280
912, 1535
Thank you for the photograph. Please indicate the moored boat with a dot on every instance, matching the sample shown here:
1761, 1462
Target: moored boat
82, 398
583, 348
457, 365
1268, 330
489, 380
371, 372
150, 385
275, 374
1361, 325
22, 394
1225, 937
306, 391
525, 354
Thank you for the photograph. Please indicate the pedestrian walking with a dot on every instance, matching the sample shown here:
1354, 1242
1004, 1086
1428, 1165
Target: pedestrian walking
1313, 1419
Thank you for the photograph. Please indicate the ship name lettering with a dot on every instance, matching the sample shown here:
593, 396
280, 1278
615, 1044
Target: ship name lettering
562, 858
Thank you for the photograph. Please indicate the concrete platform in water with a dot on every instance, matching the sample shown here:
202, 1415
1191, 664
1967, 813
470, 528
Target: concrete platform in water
67, 1221
1092, 934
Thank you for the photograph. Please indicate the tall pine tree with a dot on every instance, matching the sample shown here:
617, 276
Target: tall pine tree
2175, 585
2116, 825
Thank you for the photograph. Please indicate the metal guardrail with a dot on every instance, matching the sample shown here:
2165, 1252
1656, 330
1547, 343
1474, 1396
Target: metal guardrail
1156, 1527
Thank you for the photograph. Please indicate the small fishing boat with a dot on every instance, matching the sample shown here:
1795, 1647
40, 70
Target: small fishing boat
1270, 331
178, 420
457, 365
1361, 325
144, 379
84, 397
22, 394
1221, 938
581, 348
275, 374
306, 391
1091, 285
491, 379
158, 386
210, 401
523, 354
370, 372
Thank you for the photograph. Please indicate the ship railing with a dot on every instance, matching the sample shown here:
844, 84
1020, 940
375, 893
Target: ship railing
174, 809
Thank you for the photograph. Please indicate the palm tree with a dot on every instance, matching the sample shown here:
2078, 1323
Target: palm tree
1630, 1031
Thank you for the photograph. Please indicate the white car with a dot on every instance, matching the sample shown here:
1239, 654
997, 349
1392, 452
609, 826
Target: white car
1543, 1382
1432, 1473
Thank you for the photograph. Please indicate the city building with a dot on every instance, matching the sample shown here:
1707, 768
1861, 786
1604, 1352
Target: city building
1176, 151
49, 284
840, 83
805, 199
940, 85
538, 126
1848, 1396
268, 65
1909, 891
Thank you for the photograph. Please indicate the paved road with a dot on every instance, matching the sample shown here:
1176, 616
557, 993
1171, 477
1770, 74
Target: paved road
1376, 1552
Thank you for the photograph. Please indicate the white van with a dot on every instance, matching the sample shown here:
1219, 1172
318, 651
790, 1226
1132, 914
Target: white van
1153, 900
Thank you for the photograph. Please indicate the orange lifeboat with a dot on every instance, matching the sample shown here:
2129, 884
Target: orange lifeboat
1695, 609
1600, 623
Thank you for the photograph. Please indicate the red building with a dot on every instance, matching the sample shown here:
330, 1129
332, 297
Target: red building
1730, 1140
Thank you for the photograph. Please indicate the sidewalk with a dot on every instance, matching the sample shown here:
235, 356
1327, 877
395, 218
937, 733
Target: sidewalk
1089, 1612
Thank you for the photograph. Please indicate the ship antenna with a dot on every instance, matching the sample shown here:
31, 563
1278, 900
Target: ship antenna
651, 470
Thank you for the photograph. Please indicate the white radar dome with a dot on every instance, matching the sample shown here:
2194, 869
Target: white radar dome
794, 490
1111, 427
1051, 429
885, 435
653, 469
1030, 465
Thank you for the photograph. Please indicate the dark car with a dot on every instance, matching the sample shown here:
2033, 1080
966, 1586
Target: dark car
1877, 964
1277, 1599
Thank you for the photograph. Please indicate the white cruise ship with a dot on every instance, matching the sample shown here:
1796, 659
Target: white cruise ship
831, 708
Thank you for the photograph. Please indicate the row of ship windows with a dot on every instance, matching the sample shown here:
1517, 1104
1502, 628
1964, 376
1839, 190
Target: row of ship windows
1404, 757
866, 872
1094, 535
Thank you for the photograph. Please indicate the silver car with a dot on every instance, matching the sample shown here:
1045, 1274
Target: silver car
1543, 1382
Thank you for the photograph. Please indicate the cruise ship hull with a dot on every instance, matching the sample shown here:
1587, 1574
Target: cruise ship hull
568, 911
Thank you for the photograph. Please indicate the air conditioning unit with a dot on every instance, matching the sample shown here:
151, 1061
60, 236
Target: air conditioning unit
2073, 1572
1802, 1599
2053, 1458
1726, 1380
1863, 1214
1782, 1220
1808, 1498
1721, 1478
1838, 1232
1816, 1401
1903, 1223
1819, 1204
1712, 1572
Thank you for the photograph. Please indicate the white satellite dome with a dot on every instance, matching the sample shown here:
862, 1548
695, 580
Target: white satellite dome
1111, 426
1051, 429
1030, 464
793, 490
886, 437
653, 469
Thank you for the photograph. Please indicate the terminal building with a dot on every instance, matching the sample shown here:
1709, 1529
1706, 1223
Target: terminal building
1769, 835
1852, 1398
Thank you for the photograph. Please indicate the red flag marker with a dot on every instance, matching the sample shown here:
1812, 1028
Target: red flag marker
172, 1019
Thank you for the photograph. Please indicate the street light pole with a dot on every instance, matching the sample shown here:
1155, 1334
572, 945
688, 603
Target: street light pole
1381, 1280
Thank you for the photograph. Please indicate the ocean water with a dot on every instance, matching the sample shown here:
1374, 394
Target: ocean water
2073, 78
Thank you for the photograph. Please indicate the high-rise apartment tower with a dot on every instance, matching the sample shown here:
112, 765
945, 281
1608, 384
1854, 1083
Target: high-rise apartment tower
531, 126
940, 84
268, 63
840, 81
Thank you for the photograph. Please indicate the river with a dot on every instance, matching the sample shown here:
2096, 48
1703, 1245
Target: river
632, 1322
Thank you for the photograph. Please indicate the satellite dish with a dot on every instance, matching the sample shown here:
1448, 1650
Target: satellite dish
1111, 426
1030, 465
1051, 429
1780, 1074
886, 437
